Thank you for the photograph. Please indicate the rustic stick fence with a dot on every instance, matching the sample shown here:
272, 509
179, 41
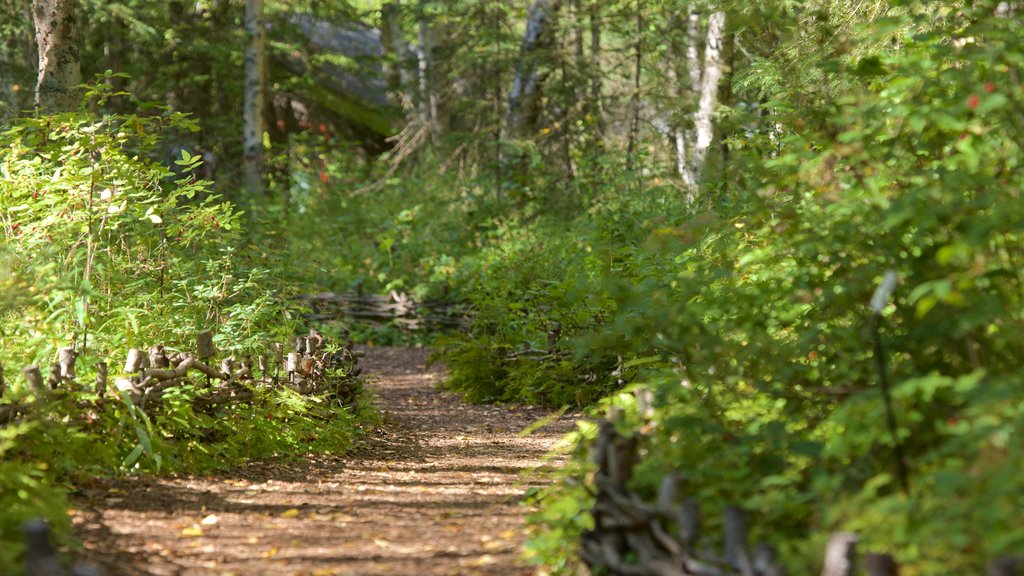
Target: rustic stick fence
394, 308
314, 367
661, 535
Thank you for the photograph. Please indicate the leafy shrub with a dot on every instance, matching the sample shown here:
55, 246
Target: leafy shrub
108, 249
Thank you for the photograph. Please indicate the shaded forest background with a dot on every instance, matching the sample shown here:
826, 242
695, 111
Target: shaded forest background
674, 214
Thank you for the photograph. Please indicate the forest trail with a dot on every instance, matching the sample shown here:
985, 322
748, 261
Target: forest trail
436, 491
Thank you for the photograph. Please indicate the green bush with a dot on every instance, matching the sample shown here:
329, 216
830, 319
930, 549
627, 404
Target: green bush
106, 249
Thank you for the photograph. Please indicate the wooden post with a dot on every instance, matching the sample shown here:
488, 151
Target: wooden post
204, 345
840, 555
278, 361
881, 565
157, 357
101, 379
292, 365
66, 358
54, 379
3, 385
34, 377
135, 362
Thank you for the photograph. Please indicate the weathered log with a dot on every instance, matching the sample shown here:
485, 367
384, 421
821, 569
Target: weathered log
204, 345
160, 374
157, 357
101, 379
840, 555
53, 380
227, 365
156, 390
126, 384
135, 362
209, 370
66, 358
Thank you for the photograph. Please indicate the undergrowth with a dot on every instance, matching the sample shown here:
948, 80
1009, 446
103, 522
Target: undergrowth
105, 249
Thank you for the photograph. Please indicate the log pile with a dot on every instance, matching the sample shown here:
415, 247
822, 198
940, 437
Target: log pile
315, 367
392, 309
634, 537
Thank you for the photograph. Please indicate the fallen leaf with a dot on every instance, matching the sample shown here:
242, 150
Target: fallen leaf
210, 520
290, 513
270, 553
192, 532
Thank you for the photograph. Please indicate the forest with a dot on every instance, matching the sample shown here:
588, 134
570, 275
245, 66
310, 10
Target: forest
763, 260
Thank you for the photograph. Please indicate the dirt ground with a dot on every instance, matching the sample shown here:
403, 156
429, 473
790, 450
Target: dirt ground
436, 491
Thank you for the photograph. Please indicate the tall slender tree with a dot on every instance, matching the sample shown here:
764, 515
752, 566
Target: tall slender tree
254, 97
59, 38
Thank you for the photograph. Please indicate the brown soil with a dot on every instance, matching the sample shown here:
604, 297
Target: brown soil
436, 491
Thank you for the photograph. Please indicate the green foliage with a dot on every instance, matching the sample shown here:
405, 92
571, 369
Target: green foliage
751, 324
108, 249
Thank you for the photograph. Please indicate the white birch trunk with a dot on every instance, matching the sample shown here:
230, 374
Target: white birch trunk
703, 125
59, 37
692, 50
252, 113
527, 80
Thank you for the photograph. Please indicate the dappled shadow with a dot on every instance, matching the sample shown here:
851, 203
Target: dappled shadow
437, 491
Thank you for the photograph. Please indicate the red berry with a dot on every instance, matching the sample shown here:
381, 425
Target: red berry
973, 101
990, 87
323, 128
323, 177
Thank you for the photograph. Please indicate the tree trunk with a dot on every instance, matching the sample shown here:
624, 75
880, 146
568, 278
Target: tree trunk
682, 95
401, 76
428, 74
596, 85
703, 126
525, 88
634, 124
59, 38
254, 98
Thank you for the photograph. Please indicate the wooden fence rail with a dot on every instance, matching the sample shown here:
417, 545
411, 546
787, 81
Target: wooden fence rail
394, 308
314, 367
628, 528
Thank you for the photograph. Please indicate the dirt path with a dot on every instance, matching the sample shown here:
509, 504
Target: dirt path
436, 492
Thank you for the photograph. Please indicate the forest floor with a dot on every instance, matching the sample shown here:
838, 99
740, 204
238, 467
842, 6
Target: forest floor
435, 491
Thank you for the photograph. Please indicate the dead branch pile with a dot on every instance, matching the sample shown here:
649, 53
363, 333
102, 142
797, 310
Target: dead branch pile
634, 537
315, 367
395, 308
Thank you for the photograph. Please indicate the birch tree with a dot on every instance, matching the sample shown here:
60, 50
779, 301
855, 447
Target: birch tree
712, 73
526, 86
59, 39
254, 97
700, 84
